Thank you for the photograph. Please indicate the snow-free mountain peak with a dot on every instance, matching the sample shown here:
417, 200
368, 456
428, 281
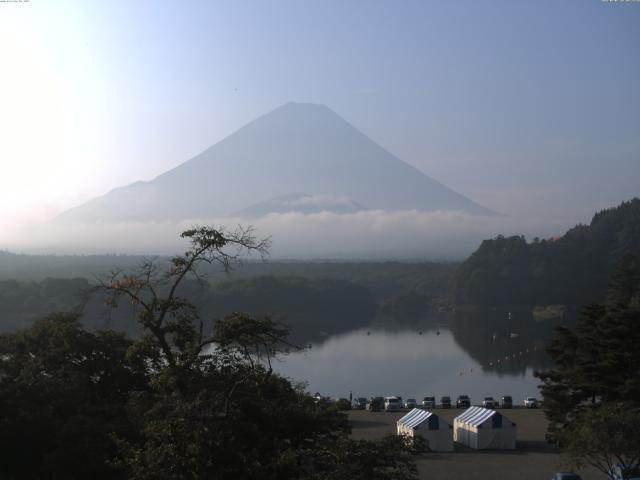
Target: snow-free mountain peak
298, 147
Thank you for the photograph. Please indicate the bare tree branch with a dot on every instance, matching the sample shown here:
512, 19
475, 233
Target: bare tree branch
169, 318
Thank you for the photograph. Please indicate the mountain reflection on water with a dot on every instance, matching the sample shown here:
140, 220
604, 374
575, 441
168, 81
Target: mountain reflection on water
478, 353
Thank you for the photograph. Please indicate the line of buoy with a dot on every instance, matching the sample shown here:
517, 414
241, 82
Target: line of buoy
490, 364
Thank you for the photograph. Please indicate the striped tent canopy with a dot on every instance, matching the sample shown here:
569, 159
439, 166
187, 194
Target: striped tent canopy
414, 418
483, 428
437, 434
476, 416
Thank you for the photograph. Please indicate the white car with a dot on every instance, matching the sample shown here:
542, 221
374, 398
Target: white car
531, 402
392, 404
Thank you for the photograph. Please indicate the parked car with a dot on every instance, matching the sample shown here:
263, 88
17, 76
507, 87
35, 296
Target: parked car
531, 402
507, 401
445, 402
429, 402
410, 403
463, 401
489, 402
375, 404
359, 403
566, 476
392, 404
625, 472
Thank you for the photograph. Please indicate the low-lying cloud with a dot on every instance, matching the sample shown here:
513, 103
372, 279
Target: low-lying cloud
365, 235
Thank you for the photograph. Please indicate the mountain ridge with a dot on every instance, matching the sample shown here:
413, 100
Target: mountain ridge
298, 147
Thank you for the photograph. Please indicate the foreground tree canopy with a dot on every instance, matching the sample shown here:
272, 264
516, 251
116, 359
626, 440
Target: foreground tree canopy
190, 399
592, 397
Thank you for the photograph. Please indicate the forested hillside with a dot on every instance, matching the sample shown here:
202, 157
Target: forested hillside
572, 269
306, 306
309, 296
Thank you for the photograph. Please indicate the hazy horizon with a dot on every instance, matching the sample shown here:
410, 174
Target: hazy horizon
529, 109
367, 235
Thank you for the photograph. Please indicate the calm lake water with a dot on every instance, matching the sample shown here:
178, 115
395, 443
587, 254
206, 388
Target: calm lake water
468, 356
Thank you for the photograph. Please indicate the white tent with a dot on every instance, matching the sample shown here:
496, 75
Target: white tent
482, 428
436, 432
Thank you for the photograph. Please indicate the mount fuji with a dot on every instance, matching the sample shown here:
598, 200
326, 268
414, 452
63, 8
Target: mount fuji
298, 158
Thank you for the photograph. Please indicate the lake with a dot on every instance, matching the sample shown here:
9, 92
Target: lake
470, 354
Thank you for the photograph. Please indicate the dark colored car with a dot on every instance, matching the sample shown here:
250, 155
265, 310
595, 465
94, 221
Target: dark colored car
507, 401
429, 402
375, 404
565, 476
410, 403
463, 401
359, 403
489, 402
445, 402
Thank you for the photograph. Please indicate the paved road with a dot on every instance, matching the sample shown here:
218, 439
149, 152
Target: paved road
533, 459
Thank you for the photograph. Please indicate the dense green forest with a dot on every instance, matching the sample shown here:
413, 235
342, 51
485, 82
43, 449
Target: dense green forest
24, 267
305, 306
385, 280
571, 270
309, 307
312, 298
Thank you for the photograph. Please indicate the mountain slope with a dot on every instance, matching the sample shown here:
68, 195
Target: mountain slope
301, 203
295, 148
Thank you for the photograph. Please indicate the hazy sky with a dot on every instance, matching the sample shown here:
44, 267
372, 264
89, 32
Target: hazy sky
531, 108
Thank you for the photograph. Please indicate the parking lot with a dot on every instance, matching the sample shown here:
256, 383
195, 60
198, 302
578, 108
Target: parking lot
533, 459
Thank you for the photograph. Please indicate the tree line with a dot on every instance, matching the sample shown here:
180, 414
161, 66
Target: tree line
307, 304
571, 270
